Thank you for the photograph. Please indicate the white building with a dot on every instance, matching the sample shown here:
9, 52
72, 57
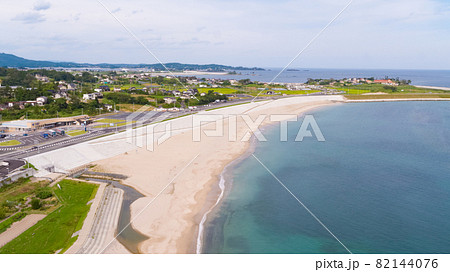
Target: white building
41, 100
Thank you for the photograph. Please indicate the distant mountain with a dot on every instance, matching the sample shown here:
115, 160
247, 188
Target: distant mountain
12, 61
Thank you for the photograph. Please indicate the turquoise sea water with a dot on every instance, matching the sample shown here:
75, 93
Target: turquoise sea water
380, 182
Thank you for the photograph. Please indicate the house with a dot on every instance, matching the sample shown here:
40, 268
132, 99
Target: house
384, 81
62, 87
61, 94
92, 96
117, 89
98, 90
21, 104
170, 100
42, 100
176, 93
71, 87
42, 78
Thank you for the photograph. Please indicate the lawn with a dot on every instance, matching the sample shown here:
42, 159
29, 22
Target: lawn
10, 143
75, 132
227, 106
131, 107
4, 225
222, 90
116, 122
367, 88
355, 91
54, 232
109, 121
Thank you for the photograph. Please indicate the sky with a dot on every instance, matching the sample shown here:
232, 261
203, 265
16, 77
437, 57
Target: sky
370, 34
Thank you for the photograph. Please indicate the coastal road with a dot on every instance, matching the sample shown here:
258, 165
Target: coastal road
145, 118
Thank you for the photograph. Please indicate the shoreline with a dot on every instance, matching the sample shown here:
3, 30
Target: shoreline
172, 222
224, 183
219, 193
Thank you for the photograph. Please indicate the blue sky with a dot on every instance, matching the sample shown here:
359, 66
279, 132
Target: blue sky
411, 34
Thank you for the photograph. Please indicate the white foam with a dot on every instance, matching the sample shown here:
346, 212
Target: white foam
205, 216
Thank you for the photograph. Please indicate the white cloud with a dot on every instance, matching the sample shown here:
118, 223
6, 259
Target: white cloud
370, 34
42, 5
29, 17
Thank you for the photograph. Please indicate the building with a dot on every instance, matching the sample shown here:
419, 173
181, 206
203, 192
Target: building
61, 94
71, 87
33, 125
92, 96
42, 78
170, 100
41, 101
385, 82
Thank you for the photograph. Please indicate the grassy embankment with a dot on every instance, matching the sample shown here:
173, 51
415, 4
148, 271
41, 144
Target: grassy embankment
10, 143
54, 232
368, 88
106, 123
76, 132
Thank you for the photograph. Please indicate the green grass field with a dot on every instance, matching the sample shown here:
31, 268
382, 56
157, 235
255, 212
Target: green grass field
115, 124
75, 132
10, 143
227, 106
4, 225
109, 121
367, 88
222, 90
354, 91
54, 232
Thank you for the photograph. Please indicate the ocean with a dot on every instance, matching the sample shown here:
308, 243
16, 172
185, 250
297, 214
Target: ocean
380, 183
437, 78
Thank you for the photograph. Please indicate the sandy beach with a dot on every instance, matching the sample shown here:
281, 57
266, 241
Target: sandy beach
178, 175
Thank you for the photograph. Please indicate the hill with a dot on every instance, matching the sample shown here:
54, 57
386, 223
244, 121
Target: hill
13, 61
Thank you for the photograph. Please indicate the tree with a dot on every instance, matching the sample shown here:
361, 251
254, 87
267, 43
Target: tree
61, 103
2, 213
36, 204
